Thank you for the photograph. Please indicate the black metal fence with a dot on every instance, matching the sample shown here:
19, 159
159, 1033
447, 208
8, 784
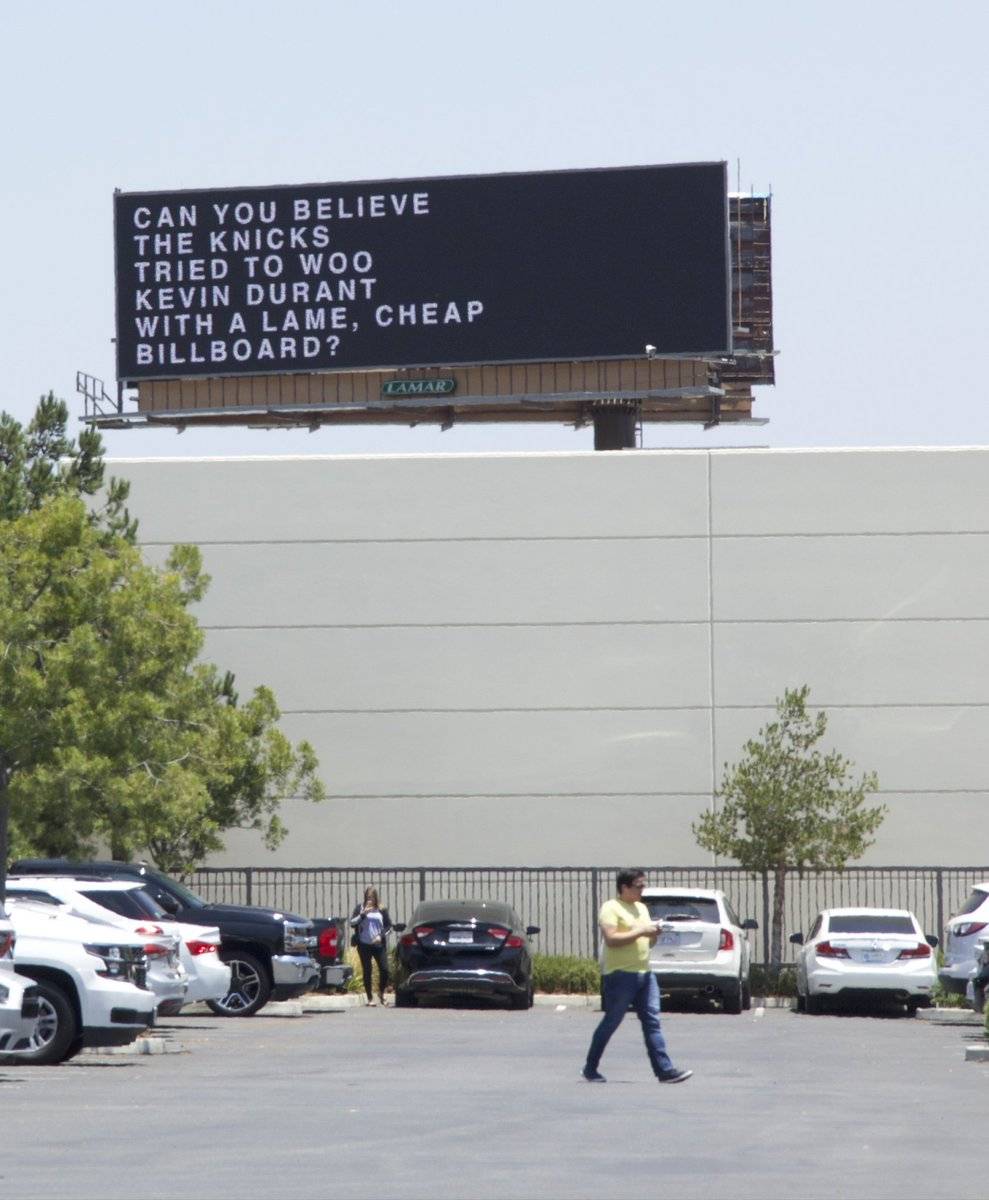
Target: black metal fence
563, 901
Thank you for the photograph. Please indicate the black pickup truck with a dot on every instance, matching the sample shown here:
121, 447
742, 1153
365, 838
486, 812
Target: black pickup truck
269, 952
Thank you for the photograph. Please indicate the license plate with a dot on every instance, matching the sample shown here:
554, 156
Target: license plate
460, 936
669, 939
873, 956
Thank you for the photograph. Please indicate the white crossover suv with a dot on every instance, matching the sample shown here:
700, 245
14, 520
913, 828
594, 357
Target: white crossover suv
18, 996
963, 938
865, 952
703, 948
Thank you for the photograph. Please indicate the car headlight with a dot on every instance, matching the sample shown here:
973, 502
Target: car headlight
297, 938
4, 993
119, 962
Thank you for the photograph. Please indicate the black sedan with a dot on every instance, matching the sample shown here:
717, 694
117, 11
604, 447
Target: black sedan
464, 948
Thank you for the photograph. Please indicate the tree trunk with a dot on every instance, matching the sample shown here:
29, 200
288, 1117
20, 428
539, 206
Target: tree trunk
5, 774
779, 899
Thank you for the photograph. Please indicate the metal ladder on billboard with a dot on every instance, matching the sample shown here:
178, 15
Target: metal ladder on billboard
97, 401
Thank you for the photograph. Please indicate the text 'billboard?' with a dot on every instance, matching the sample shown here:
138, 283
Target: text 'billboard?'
440, 271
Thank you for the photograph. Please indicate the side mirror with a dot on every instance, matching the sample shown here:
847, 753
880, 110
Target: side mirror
168, 902
398, 926
797, 939
931, 939
531, 929
750, 923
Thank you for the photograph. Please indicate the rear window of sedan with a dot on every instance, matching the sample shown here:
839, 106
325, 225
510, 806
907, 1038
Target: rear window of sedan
863, 923
683, 908
493, 911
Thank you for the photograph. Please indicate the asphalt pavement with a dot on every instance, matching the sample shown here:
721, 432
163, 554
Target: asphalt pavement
476, 1102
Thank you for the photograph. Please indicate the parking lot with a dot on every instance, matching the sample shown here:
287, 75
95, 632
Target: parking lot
464, 1102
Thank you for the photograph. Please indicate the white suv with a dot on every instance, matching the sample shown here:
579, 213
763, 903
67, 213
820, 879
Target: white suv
91, 982
702, 948
18, 996
963, 936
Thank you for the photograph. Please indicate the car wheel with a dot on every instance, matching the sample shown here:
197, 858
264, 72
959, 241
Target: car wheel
249, 986
522, 1002
404, 999
801, 1002
814, 1005
731, 998
56, 1032
746, 995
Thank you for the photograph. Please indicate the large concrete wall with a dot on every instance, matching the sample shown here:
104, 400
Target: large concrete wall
547, 659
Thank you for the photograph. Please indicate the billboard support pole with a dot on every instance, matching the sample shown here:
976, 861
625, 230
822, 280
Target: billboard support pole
616, 425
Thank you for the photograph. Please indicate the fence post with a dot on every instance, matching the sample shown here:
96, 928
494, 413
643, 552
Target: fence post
422, 883
939, 883
249, 885
595, 905
766, 918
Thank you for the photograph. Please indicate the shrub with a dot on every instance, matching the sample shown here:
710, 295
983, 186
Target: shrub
565, 973
942, 998
764, 980
356, 982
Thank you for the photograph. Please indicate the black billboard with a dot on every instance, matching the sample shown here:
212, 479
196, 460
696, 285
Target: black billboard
425, 272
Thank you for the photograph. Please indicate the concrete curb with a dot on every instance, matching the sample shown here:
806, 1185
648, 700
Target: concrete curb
313, 1002
565, 1000
549, 1000
977, 1053
281, 1008
141, 1045
950, 1016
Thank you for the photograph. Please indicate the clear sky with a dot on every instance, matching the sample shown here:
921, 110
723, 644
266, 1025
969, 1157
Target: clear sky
868, 121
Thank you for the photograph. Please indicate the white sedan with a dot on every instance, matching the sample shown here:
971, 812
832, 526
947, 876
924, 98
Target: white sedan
865, 952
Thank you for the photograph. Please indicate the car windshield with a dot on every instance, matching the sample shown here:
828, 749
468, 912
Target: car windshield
976, 900
134, 903
683, 908
189, 899
864, 923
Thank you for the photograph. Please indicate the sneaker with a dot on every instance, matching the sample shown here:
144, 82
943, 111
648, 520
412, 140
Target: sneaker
593, 1076
674, 1076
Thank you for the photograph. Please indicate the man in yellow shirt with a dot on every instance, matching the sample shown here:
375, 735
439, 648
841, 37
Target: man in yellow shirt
628, 932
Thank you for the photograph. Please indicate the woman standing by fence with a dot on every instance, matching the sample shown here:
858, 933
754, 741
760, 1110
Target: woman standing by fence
371, 925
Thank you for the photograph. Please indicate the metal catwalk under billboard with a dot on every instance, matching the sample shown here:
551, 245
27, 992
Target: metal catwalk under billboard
607, 263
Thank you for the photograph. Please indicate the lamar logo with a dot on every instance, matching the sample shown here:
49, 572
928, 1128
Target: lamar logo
418, 387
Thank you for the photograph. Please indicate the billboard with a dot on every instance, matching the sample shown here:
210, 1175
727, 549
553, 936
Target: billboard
427, 272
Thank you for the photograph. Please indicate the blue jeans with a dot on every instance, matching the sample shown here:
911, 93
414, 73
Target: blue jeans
621, 989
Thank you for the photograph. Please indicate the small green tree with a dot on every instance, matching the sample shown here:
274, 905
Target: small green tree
786, 805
